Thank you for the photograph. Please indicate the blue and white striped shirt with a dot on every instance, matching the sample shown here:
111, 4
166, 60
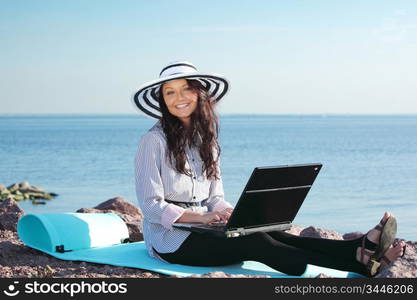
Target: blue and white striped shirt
157, 180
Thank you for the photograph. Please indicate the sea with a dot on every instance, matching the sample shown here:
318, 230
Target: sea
369, 161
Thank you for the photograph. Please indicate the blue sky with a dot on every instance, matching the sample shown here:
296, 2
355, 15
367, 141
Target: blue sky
281, 57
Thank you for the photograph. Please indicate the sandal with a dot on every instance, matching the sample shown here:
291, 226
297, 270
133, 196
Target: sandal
388, 229
372, 266
388, 261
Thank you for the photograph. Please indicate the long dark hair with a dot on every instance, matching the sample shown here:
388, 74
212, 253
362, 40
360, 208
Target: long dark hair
202, 133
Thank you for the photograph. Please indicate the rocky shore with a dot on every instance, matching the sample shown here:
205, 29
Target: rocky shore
20, 261
24, 190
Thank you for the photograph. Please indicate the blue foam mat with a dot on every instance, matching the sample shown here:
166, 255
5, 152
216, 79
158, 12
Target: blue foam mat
96, 238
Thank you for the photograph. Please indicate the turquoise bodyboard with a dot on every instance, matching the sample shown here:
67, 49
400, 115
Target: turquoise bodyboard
100, 238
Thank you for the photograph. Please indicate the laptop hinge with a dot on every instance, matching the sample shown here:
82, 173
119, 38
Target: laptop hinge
236, 232
266, 225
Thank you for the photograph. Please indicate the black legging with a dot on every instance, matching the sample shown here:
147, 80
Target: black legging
279, 250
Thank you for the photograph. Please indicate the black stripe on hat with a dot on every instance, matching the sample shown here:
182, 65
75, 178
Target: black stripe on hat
209, 84
147, 101
142, 108
225, 89
154, 95
203, 83
216, 89
177, 65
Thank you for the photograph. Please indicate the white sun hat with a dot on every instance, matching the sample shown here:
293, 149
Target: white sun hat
146, 98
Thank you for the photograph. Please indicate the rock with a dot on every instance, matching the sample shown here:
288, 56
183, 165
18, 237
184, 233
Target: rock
23, 190
2, 187
352, 235
295, 229
18, 197
316, 232
146, 275
36, 202
219, 274
34, 189
5, 191
10, 213
321, 275
405, 267
5, 196
130, 214
24, 185
12, 188
121, 205
38, 195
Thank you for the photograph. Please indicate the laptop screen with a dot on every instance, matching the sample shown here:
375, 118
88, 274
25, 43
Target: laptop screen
273, 195
266, 207
283, 176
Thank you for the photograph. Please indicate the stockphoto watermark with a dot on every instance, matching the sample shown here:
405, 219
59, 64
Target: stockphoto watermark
71, 289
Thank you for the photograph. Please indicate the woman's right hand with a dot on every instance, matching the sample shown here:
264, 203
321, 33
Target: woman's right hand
189, 216
214, 216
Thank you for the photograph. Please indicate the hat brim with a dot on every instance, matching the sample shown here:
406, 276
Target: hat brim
145, 100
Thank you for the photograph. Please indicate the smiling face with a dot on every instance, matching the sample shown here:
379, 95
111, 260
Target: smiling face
180, 99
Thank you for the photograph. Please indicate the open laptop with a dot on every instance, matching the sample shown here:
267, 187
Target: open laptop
270, 201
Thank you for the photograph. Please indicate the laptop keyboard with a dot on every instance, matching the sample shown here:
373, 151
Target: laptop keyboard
217, 224
214, 226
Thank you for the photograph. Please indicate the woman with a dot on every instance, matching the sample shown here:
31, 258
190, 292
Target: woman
178, 180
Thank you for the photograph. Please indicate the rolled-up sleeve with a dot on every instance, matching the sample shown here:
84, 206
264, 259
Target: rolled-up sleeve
215, 201
149, 185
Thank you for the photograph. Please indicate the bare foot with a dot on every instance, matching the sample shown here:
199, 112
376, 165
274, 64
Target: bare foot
393, 253
373, 235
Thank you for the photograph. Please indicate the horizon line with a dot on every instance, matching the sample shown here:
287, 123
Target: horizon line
220, 114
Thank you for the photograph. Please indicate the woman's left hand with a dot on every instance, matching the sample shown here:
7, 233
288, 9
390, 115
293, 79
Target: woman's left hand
229, 210
225, 214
